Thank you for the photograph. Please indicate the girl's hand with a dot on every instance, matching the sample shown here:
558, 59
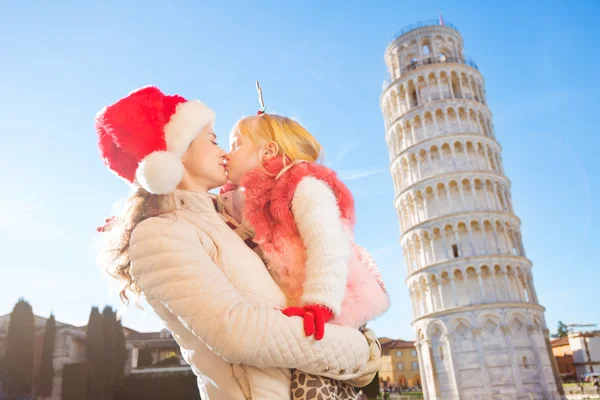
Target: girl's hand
315, 317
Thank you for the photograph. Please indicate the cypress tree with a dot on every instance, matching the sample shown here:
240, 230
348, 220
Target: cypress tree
46, 372
17, 362
96, 368
109, 329
121, 352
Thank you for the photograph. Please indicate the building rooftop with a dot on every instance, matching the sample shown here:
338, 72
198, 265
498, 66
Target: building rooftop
560, 342
397, 344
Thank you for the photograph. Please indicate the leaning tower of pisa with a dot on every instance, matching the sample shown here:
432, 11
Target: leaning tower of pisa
480, 330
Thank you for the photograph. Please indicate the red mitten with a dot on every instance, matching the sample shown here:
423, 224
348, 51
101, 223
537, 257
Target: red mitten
294, 312
315, 319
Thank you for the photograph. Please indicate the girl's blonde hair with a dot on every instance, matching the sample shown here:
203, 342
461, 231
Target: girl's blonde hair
295, 143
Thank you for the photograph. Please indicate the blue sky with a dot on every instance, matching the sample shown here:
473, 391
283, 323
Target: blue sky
63, 61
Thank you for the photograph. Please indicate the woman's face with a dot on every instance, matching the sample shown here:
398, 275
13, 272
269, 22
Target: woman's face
204, 163
243, 157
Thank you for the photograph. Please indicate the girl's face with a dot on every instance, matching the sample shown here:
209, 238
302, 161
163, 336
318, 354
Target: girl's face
245, 155
204, 163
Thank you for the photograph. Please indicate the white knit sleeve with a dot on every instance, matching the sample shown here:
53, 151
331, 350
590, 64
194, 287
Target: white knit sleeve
328, 246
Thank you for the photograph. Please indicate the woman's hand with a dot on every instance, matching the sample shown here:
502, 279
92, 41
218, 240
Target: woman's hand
373, 365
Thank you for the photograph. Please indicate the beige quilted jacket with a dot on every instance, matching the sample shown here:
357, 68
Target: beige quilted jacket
222, 306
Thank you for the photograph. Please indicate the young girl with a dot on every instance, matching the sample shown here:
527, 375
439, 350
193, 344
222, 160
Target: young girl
302, 217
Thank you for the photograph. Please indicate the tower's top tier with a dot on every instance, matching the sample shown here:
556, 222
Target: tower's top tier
424, 42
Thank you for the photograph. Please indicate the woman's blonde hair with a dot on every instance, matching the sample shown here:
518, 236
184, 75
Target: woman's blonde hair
295, 143
114, 254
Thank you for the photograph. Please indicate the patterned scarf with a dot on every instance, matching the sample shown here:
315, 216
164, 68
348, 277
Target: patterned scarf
245, 233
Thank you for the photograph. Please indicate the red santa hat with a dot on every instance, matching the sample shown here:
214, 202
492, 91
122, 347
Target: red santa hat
142, 137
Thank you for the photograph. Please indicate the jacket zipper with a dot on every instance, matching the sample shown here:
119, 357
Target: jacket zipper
248, 397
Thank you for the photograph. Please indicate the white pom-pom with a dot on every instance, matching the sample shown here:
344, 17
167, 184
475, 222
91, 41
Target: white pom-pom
160, 172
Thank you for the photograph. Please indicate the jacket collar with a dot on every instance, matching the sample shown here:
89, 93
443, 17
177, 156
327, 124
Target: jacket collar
197, 202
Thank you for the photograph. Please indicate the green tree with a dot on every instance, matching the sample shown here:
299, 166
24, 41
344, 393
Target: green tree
109, 329
46, 371
372, 389
561, 331
96, 368
17, 362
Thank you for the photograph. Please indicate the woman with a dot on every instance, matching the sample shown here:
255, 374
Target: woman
209, 288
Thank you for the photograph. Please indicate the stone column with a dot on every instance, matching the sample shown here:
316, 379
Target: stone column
481, 286
425, 206
452, 368
445, 245
425, 257
441, 292
439, 81
453, 157
496, 239
437, 201
447, 123
428, 89
449, 194
431, 242
538, 362
485, 374
451, 88
408, 256
453, 287
474, 195
462, 91
424, 299
507, 286
430, 296
418, 167
442, 160
473, 91
494, 284
511, 356
422, 370
413, 301
520, 288
429, 159
487, 197
486, 151
507, 240
426, 349
416, 255
462, 195
473, 252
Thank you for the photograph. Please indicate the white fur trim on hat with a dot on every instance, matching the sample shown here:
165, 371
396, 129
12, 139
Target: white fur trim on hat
160, 172
185, 124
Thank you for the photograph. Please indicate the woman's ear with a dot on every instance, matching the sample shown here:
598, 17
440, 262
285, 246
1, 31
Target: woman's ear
271, 150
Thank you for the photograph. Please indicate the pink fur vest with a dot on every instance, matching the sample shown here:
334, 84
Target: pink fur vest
267, 208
